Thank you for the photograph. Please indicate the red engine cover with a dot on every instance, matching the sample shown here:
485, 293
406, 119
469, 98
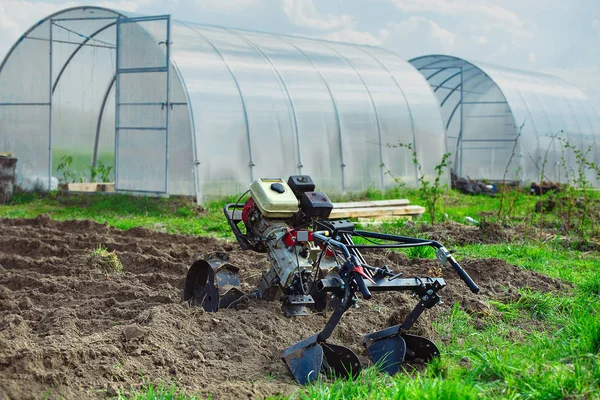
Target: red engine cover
246, 210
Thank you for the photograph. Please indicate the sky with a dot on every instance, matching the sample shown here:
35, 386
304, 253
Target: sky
559, 37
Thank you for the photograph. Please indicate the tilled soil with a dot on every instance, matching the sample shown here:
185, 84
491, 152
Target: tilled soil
70, 329
454, 233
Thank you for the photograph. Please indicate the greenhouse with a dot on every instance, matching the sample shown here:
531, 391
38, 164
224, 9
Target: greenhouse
178, 108
497, 117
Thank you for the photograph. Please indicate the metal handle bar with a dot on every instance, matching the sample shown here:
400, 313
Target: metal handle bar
443, 254
366, 293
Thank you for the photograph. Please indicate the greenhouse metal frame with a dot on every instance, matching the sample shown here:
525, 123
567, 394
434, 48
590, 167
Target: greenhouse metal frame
203, 110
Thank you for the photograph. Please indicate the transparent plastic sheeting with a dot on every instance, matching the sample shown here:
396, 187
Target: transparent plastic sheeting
486, 106
230, 106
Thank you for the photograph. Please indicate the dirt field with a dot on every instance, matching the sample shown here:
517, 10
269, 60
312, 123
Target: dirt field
69, 329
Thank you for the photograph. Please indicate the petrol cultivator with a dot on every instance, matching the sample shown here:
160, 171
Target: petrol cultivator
315, 265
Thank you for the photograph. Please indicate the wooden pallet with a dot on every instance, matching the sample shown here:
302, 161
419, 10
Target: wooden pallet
372, 203
379, 210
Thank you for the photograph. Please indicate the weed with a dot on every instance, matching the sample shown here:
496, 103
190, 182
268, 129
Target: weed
506, 169
104, 260
420, 252
431, 191
538, 305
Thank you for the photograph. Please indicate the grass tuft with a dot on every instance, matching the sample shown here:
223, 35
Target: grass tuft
158, 392
104, 260
591, 285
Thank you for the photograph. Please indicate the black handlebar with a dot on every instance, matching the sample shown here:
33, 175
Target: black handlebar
364, 290
463, 275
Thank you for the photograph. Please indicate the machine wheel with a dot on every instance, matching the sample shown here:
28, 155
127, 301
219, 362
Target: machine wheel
212, 283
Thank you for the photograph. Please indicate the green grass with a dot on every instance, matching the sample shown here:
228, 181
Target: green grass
124, 212
550, 259
158, 392
536, 346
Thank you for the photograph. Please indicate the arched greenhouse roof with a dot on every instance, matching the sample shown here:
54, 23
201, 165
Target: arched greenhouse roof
185, 108
486, 106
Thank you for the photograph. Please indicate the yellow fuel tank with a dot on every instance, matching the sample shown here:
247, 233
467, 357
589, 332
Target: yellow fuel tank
274, 198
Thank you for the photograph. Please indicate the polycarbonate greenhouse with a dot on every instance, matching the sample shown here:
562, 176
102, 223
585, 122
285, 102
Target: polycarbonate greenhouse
485, 107
188, 109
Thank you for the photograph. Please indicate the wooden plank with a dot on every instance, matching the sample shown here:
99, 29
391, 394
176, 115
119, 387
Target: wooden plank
381, 220
372, 203
376, 212
90, 187
5, 154
82, 187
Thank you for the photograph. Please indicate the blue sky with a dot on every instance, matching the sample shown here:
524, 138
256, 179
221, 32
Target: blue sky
557, 37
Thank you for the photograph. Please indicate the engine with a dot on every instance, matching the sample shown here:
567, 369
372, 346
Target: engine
278, 217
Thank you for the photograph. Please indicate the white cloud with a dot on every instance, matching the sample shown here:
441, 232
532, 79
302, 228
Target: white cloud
460, 8
350, 35
444, 36
428, 31
532, 57
304, 13
479, 39
226, 5
482, 15
120, 5
340, 28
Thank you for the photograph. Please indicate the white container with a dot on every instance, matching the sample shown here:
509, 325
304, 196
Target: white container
270, 202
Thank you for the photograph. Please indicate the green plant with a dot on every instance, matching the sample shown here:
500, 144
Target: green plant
104, 172
431, 191
506, 169
64, 166
420, 252
576, 201
93, 173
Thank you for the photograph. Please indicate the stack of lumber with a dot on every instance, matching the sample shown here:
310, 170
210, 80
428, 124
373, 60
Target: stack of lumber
376, 210
88, 187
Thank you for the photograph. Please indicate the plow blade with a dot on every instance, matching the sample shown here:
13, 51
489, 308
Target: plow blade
419, 348
388, 348
308, 358
212, 283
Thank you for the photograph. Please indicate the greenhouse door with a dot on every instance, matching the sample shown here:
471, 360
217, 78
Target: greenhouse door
142, 104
